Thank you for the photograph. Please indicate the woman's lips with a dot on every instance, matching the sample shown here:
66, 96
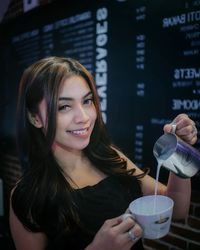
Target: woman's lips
79, 132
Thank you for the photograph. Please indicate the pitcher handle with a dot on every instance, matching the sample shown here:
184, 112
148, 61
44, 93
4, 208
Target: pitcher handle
173, 131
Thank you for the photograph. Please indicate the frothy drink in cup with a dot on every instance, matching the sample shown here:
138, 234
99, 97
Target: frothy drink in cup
153, 213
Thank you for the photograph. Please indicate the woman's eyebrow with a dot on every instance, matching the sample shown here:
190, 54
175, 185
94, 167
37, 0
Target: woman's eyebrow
71, 99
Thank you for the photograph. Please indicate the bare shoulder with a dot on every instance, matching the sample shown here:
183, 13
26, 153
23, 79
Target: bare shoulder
147, 182
22, 237
130, 164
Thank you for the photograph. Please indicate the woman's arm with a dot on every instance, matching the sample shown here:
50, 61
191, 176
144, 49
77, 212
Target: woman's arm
24, 239
179, 190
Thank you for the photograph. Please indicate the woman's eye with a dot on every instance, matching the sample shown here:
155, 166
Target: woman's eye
88, 101
64, 107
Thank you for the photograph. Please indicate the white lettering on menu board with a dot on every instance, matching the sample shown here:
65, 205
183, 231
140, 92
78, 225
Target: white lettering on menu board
186, 104
101, 58
181, 19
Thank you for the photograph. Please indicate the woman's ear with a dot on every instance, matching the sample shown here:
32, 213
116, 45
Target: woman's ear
35, 120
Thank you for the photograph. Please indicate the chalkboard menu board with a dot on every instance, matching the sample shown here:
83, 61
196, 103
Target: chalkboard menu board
143, 54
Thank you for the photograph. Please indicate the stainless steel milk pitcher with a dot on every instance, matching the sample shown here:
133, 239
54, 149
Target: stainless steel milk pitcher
176, 155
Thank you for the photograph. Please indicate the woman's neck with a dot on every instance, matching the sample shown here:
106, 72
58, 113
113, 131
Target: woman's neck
77, 168
68, 160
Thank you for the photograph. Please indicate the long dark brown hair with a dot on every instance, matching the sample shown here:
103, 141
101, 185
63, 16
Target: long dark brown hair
43, 192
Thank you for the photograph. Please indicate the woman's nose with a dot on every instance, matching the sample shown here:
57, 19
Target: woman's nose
81, 114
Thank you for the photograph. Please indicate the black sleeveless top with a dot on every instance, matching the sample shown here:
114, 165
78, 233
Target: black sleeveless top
107, 199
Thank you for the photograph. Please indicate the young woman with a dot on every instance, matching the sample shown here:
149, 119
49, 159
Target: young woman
76, 184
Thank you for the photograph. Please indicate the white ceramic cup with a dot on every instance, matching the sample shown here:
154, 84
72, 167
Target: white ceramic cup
153, 213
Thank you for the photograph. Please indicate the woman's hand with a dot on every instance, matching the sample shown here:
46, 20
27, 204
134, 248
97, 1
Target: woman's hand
119, 233
185, 128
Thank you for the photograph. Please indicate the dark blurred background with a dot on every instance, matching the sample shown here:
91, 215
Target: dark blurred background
144, 56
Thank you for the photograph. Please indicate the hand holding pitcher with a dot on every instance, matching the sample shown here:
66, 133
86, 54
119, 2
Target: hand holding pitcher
175, 154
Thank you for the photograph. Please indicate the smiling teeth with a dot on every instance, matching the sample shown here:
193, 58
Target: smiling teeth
79, 132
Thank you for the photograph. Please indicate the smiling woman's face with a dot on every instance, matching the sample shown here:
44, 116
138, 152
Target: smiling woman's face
76, 115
